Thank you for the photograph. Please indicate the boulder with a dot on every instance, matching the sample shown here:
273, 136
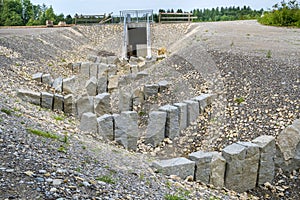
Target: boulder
172, 123
88, 122
288, 148
69, 85
242, 166
91, 86
126, 129
266, 171
183, 115
106, 127
210, 167
155, 132
102, 104
181, 167
30, 96
47, 100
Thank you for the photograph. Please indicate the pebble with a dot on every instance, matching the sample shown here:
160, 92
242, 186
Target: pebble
57, 181
39, 179
1, 131
10, 170
86, 184
42, 171
53, 190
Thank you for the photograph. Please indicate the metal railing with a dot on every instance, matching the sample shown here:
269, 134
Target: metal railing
175, 17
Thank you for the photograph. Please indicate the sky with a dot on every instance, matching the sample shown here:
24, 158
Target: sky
90, 7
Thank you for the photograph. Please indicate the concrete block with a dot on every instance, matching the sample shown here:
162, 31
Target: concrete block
163, 85
204, 100
151, 90
183, 115
172, 124
106, 127
47, 100
47, 79
91, 86
125, 101
102, 104
84, 104
37, 77
181, 167
30, 96
113, 83
102, 85
69, 85
57, 84
193, 111
155, 132
69, 106
126, 129
267, 149
88, 123
58, 102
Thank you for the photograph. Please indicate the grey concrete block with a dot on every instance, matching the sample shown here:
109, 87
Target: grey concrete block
85, 71
242, 166
155, 132
172, 124
30, 96
141, 75
102, 70
102, 85
91, 86
57, 84
76, 67
84, 104
193, 111
138, 97
88, 122
106, 127
163, 85
58, 102
151, 90
183, 115
210, 167
267, 148
93, 70
69, 106
69, 85
134, 69
47, 100
204, 100
112, 70
181, 167
113, 83
126, 129
47, 79
102, 104
37, 77
125, 101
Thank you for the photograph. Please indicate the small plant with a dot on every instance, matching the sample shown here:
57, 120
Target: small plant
83, 147
269, 54
63, 60
106, 179
65, 139
43, 133
173, 197
22, 122
232, 44
239, 100
6, 111
62, 149
213, 198
59, 118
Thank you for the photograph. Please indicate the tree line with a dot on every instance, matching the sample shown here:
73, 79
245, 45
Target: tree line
23, 12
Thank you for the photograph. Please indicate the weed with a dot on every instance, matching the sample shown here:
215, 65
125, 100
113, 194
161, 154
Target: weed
173, 197
22, 122
65, 139
232, 44
78, 169
83, 147
59, 117
239, 100
206, 31
42, 133
6, 111
106, 179
269, 54
63, 60
62, 149
50, 64
213, 198
142, 176
248, 34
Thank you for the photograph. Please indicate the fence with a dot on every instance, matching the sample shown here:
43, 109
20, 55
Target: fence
175, 17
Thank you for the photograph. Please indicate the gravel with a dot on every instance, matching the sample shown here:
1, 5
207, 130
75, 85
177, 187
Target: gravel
258, 94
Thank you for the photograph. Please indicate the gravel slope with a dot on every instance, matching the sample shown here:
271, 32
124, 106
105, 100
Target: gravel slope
78, 167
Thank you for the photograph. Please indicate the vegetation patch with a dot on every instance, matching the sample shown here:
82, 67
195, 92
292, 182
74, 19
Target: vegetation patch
6, 111
43, 133
106, 179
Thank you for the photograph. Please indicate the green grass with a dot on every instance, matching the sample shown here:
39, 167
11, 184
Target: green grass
59, 117
269, 54
173, 197
239, 100
42, 133
106, 179
62, 149
7, 111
